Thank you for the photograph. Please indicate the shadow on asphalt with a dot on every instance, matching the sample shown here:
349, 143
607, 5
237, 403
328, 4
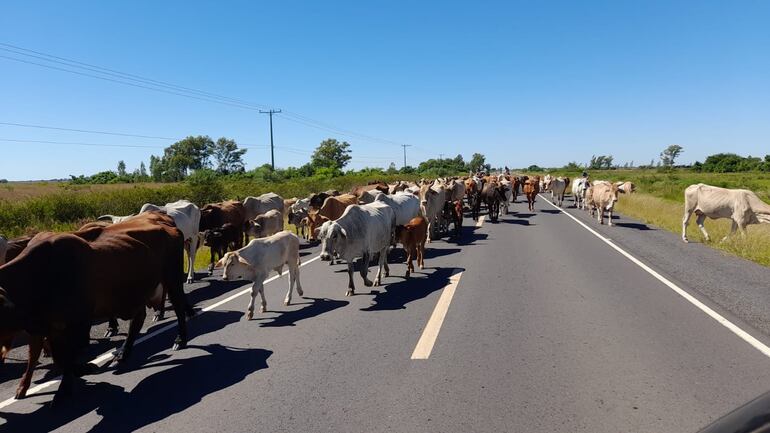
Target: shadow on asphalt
521, 222
551, 211
432, 253
181, 384
395, 296
524, 215
316, 308
637, 226
214, 289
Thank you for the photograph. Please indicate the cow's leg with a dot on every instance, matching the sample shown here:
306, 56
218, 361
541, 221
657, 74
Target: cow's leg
213, 252
685, 221
699, 220
134, 327
263, 306
252, 298
421, 255
112, 328
365, 270
293, 279
68, 341
381, 264
6, 344
351, 285
192, 249
35, 347
733, 228
430, 229
609, 220
409, 266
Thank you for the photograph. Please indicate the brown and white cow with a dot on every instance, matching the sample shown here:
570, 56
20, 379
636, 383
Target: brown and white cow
602, 196
333, 208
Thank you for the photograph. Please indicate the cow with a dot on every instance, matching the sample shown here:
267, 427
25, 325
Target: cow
100, 272
358, 191
406, 206
626, 187
492, 195
545, 183
255, 261
507, 194
317, 200
362, 231
432, 198
398, 187
254, 206
333, 208
412, 236
216, 215
602, 196
471, 193
219, 240
558, 187
454, 214
299, 219
531, 189
741, 206
368, 196
267, 224
579, 188
455, 190
289, 202
187, 218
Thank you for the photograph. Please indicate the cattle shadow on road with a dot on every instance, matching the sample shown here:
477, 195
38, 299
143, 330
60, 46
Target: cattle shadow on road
214, 289
181, 384
521, 222
315, 308
551, 211
637, 226
397, 295
523, 215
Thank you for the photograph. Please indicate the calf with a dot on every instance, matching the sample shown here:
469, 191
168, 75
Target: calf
603, 196
217, 214
254, 206
255, 261
362, 231
97, 273
219, 240
412, 236
267, 224
531, 188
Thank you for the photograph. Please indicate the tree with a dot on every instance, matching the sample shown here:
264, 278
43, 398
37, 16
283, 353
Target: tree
331, 154
121, 168
670, 154
229, 159
191, 153
477, 162
142, 171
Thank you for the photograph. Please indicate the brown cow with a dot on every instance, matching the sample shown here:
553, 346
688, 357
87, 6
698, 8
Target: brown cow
219, 240
216, 215
332, 209
413, 236
531, 189
359, 191
97, 273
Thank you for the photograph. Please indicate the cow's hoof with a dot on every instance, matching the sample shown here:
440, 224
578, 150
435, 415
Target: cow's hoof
249, 315
377, 282
406, 275
189, 281
349, 293
21, 393
287, 302
211, 273
110, 333
610, 224
685, 240
300, 292
158, 317
367, 283
263, 308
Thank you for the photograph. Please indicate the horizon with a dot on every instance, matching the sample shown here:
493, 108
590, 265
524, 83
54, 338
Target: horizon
520, 83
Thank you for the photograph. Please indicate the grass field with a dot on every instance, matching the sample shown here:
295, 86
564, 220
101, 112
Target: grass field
660, 202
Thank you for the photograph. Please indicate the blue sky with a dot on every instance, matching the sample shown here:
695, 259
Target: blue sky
522, 82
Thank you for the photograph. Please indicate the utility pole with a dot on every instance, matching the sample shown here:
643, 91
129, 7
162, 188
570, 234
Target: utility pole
440, 156
405, 146
272, 152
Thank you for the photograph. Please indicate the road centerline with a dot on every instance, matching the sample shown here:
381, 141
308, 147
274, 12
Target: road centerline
428, 338
735, 329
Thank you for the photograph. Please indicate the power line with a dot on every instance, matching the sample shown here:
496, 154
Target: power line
121, 134
166, 87
78, 143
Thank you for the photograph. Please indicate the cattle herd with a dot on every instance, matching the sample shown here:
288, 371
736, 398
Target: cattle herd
117, 266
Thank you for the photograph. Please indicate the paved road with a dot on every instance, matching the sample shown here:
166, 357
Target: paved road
549, 329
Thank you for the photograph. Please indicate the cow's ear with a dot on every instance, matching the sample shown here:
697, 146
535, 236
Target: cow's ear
221, 262
343, 232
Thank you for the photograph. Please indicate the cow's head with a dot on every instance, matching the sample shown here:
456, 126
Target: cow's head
333, 238
254, 228
212, 237
235, 267
314, 222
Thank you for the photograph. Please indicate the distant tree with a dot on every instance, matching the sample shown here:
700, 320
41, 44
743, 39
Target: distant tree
392, 168
121, 168
572, 166
477, 162
191, 153
608, 162
142, 170
534, 168
669, 155
331, 154
229, 159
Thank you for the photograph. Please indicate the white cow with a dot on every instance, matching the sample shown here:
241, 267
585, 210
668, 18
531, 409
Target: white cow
267, 224
455, 190
3, 249
259, 205
545, 183
187, 218
742, 206
361, 231
579, 187
432, 199
508, 188
255, 261
406, 206
558, 187
602, 196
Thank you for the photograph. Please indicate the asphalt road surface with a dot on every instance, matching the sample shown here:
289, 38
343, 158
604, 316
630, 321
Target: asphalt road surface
531, 324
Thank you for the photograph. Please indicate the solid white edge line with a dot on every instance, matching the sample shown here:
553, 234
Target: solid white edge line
428, 338
480, 222
106, 356
735, 329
